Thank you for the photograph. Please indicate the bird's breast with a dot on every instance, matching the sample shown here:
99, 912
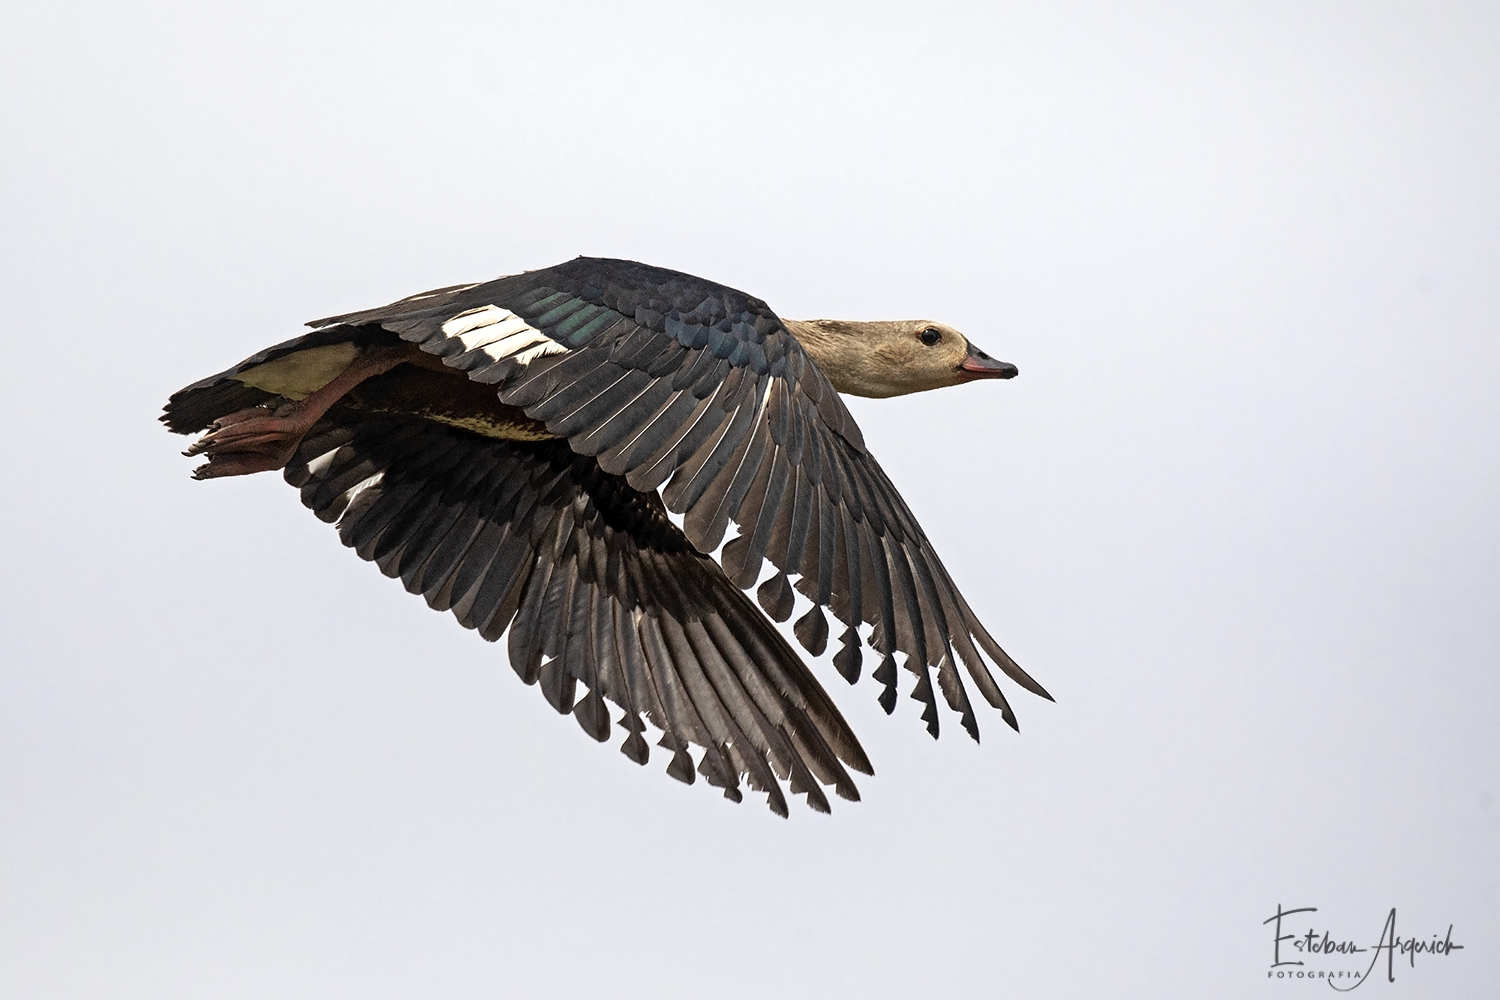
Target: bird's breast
445, 397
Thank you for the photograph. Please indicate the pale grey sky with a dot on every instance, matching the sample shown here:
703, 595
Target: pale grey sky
1238, 513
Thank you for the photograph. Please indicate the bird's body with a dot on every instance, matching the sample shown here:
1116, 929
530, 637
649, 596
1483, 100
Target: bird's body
510, 450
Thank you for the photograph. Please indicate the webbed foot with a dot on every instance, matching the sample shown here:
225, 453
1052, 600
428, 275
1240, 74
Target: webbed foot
259, 439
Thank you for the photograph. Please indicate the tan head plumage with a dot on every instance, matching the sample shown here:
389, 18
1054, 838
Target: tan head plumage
893, 357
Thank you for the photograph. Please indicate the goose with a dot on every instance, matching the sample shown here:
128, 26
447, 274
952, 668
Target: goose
511, 450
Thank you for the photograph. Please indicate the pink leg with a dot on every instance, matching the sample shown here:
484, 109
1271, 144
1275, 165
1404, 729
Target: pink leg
265, 437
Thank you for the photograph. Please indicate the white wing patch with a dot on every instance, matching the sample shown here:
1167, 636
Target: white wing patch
463, 325
499, 334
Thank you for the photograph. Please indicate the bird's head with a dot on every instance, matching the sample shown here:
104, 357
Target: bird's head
894, 357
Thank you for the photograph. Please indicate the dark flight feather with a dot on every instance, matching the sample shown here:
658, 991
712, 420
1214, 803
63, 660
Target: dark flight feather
551, 540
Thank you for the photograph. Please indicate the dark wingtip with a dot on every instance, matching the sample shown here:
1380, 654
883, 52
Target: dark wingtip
971, 725
860, 763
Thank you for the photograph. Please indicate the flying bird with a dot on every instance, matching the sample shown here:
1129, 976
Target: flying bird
510, 450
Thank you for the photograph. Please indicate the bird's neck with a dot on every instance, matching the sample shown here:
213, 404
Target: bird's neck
841, 349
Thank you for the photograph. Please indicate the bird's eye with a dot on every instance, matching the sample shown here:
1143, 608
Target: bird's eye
931, 336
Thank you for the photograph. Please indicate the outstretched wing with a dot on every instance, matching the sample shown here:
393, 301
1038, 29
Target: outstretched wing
670, 380
603, 597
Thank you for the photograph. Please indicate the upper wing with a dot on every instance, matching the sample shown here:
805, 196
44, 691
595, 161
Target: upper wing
592, 577
670, 379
